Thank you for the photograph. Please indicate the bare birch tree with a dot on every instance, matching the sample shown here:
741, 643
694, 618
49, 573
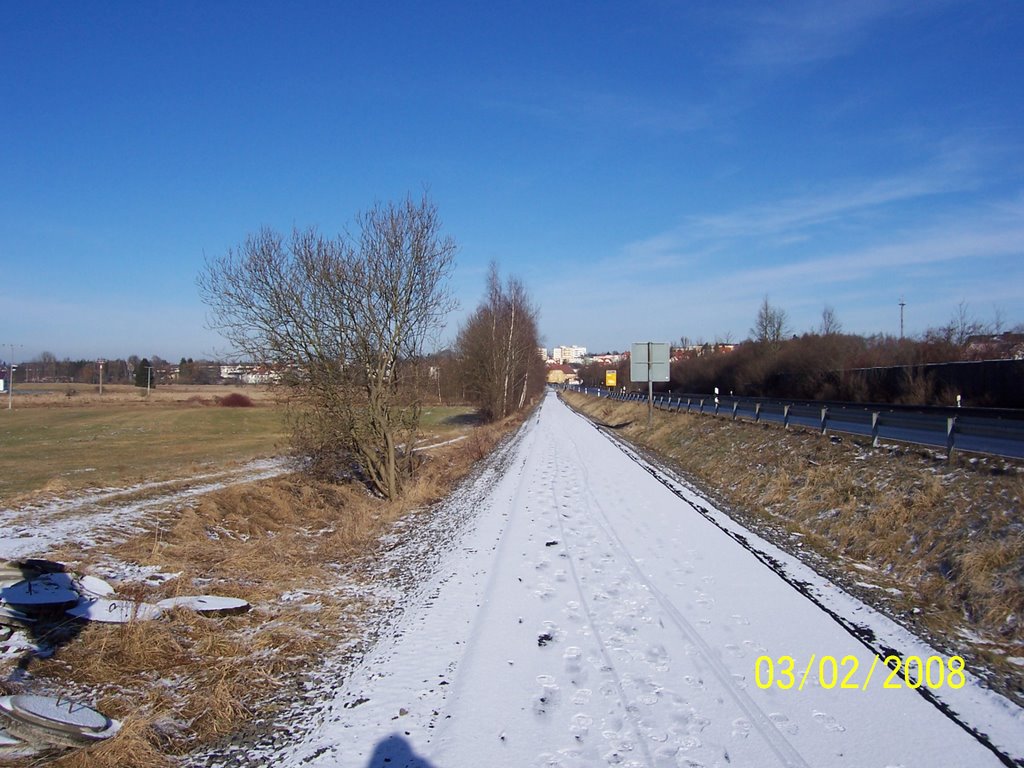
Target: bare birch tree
497, 348
343, 320
770, 326
830, 324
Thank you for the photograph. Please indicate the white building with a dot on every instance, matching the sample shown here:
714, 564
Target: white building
569, 355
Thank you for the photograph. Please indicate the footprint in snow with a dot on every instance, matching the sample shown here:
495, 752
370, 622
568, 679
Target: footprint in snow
658, 657
582, 697
828, 722
734, 650
741, 727
784, 724
580, 727
688, 742
544, 592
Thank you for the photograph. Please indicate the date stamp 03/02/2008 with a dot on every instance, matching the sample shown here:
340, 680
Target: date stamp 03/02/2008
847, 673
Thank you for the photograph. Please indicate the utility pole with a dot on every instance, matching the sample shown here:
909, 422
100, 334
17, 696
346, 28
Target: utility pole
902, 305
10, 375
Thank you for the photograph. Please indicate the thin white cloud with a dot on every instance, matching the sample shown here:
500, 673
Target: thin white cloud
781, 36
923, 249
799, 219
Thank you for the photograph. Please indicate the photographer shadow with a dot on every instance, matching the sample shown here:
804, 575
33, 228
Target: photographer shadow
396, 752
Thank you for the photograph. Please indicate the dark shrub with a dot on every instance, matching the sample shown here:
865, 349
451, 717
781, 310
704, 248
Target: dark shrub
236, 400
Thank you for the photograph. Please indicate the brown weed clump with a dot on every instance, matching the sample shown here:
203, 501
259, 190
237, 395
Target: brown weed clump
235, 400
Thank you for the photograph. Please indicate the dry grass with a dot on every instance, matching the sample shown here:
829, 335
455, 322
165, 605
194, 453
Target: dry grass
32, 396
187, 681
50, 451
948, 536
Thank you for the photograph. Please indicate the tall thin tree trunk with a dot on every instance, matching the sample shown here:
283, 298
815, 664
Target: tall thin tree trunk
508, 361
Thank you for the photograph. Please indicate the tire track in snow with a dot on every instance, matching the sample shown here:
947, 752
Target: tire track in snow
602, 645
783, 750
864, 635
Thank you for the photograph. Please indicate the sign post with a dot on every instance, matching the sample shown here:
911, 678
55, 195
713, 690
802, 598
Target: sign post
648, 361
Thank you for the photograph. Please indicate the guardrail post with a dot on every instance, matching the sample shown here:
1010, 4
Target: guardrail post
785, 417
824, 419
735, 407
950, 437
876, 417
757, 413
688, 401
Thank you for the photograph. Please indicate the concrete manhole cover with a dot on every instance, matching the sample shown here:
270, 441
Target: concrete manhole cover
207, 604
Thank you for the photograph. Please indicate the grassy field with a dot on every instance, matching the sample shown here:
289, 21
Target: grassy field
53, 443
66, 448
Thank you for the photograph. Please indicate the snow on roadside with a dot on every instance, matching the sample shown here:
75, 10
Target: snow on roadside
112, 513
583, 613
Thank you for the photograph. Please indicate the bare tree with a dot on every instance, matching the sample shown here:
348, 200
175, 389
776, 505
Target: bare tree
497, 347
830, 324
343, 322
49, 365
962, 325
998, 320
770, 326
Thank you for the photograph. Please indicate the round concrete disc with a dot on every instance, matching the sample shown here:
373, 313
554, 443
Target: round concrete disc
43, 721
91, 586
62, 714
51, 589
113, 611
211, 605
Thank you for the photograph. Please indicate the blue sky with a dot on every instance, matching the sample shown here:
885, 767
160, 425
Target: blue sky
649, 169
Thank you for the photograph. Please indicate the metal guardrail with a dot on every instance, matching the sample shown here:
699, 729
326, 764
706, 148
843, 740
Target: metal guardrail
950, 429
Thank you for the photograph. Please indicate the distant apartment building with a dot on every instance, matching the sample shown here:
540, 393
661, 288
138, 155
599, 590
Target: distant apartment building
570, 355
543, 351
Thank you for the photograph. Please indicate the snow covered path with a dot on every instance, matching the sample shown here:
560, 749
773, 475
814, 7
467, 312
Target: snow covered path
590, 616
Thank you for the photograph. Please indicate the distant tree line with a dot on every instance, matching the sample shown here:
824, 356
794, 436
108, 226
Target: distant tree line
46, 368
827, 364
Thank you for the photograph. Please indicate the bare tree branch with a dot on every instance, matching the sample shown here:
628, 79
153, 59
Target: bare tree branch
343, 319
